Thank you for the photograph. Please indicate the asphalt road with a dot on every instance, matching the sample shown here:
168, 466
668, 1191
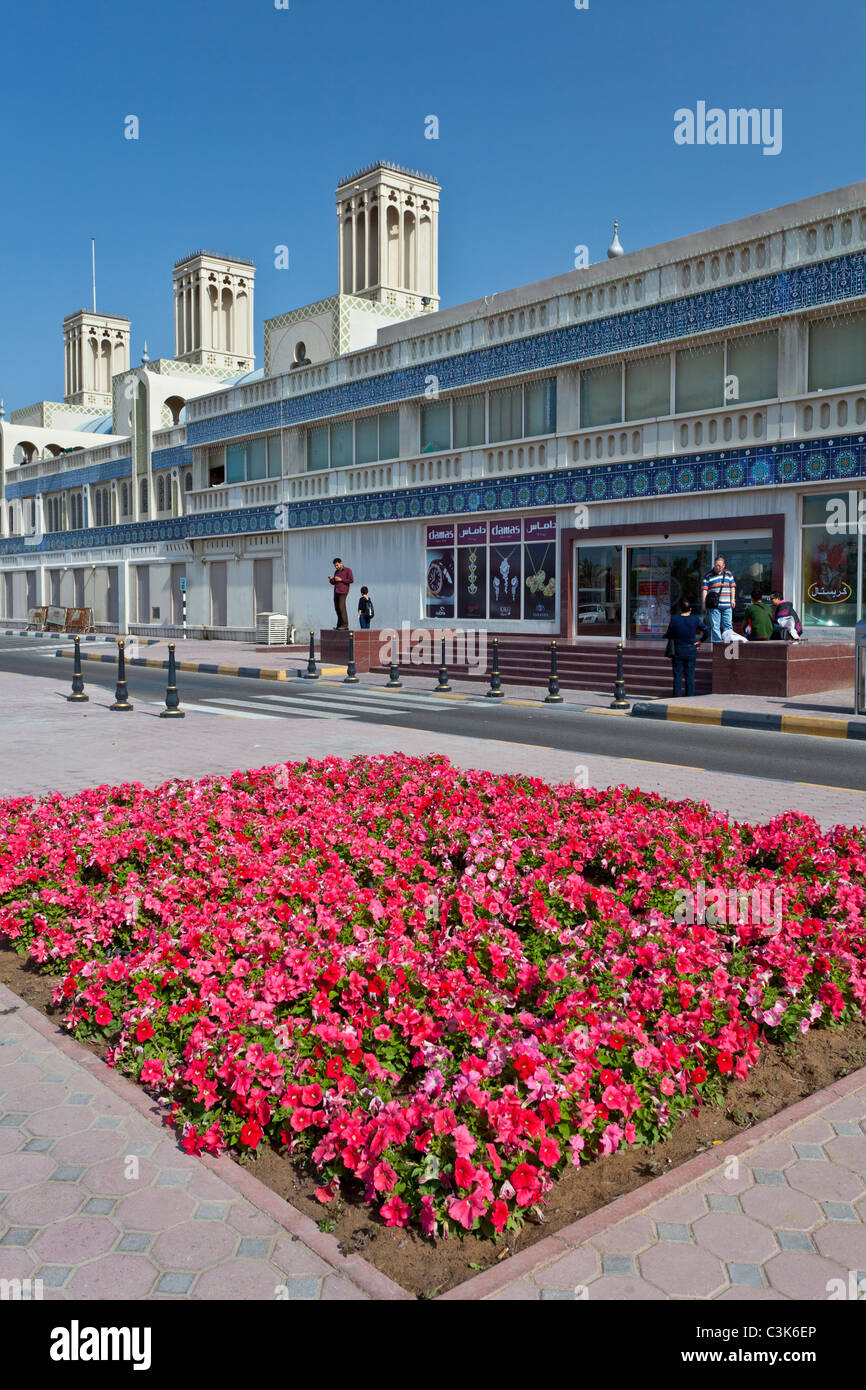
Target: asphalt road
745, 752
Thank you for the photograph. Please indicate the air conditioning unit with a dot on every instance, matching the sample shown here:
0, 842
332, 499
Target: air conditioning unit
272, 630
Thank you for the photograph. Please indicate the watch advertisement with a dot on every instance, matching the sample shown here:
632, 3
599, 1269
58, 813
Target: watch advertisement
440, 572
505, 570
472, 569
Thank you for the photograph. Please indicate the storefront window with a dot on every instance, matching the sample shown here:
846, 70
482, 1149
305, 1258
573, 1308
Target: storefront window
659, 576
599, 590
829, 577
751, 563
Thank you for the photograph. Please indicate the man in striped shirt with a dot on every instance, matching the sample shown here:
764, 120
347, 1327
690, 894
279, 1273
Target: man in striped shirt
718, 597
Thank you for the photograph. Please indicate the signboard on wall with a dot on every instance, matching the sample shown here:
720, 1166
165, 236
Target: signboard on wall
539, 568
440, 572
472, 569
504, 594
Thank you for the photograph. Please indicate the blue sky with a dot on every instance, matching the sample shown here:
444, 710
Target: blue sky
553, 121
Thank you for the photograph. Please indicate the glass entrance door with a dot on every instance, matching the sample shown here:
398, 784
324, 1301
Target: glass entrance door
599, 591
659, 576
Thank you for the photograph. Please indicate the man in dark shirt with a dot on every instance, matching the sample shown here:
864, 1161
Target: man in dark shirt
342, 579
685, 634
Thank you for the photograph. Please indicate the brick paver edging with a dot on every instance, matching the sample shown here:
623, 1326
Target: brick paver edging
261, 673
352, 1267
631, 1204
745, 719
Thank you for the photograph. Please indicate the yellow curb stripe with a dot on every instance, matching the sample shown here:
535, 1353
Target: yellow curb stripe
826, 728
695, 715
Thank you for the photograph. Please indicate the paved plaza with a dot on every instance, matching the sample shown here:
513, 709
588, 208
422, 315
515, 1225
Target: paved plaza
78, 1215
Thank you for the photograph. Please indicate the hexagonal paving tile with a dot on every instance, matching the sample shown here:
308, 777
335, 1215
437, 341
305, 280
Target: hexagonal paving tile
18, 1171
844, 1242
44, 1203
783, 1208
239, 1279
579, 1266
683, 1271
825, 1182
802, 1276
154, 1209
113, 1277
76, 1239
109, 1177
194, 1245
734, 1238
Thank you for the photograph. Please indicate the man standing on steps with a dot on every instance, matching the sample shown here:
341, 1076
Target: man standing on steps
342, 579
719, 598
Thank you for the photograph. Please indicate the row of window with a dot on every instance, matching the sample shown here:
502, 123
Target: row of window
744, 369
352, 442
72, 518
260, 458
515, 412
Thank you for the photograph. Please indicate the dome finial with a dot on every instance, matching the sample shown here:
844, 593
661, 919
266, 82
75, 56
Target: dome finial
2, 411
615, 249
144, 357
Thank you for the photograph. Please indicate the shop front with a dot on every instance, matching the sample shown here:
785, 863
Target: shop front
497, 571
628, 586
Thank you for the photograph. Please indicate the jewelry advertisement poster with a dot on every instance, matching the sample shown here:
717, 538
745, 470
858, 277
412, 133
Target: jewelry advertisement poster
440, 572
539, 564
472, 569
505, 569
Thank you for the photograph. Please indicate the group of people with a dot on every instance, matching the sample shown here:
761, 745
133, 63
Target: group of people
714, 622
341, 581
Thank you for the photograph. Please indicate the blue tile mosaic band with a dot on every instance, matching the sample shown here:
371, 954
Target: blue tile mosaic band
75, 477
834, 460
785, 292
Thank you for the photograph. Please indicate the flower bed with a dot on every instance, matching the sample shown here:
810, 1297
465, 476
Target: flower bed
440, 987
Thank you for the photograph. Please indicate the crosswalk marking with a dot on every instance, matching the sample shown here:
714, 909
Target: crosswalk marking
301, 710
354, 702
209, 709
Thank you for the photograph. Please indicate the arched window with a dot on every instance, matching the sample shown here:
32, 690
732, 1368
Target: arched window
187, 482
160, 493
142, 495
97, 506
11, 521
124, 498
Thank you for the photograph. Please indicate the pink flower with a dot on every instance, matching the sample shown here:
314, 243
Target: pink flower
384, 1177
152, 1071
464, 1142
395, 1212
549, 1153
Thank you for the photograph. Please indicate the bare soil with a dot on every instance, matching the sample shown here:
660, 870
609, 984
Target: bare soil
782, 1076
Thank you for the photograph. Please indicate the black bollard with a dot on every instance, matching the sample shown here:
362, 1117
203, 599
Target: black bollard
351, 676
78, 696
121, 694
172, 699
619, 701
394, 682
443, 685
553, 696
312, 673
495, 692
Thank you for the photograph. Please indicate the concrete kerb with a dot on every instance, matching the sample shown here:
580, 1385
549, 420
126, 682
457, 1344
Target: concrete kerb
752, 719
631, 1204
201, 667
353, 1267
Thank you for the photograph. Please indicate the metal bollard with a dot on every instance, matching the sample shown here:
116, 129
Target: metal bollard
443, 685
312, 673
351, 676
495, 692
172, 699
619, 701
78, 696
121, 693
553, 696
394, 681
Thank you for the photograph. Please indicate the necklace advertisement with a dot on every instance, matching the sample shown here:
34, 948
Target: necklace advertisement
505, 570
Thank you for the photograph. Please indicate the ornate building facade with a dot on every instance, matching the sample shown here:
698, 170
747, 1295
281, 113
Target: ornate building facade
565, 457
